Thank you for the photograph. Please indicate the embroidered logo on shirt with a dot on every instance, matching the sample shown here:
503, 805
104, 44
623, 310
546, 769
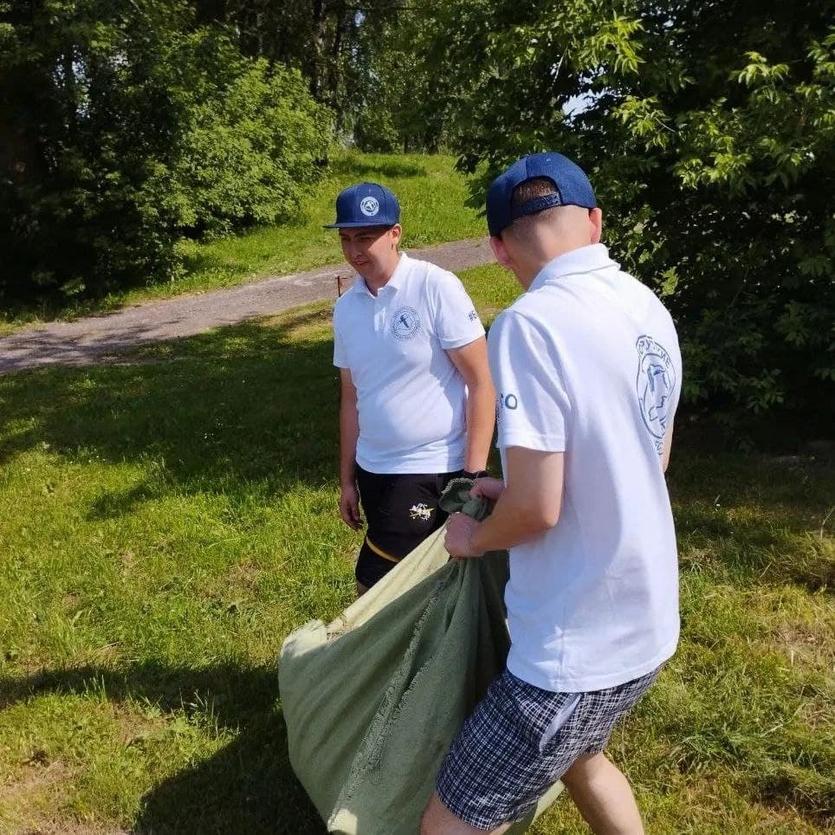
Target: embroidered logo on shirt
655, 386
472, 316
405, 323
369, 206
420, 511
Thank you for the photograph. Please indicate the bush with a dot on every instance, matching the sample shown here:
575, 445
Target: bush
251, 151
122, 129
709, 134
375, 131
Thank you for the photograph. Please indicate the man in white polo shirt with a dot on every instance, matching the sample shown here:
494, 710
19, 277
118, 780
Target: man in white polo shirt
588, 371
417, 402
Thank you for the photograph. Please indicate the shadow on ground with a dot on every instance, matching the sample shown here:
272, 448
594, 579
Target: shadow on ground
248, 786
388, 168
764, 517
246, 404
258, 405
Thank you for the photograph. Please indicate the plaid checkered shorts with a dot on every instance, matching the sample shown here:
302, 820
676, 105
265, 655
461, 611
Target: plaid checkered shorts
520, 740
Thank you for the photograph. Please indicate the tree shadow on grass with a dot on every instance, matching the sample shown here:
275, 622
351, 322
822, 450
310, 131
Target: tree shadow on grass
761, 517
248, 786
247, 404
242, 410
387, 168
200, 258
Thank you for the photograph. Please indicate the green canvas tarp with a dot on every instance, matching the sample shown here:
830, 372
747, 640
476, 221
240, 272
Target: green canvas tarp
373, 699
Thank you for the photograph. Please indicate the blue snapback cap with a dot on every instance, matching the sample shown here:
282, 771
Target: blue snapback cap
365, 204
570, 181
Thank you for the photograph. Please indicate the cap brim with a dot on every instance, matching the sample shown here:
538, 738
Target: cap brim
356, 224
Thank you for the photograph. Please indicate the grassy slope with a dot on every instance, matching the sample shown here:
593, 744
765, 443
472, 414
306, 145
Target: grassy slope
165, 523
432, 199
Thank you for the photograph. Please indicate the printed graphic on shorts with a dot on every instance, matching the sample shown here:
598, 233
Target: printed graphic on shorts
405, 323
656, 384
369, 206
420, 511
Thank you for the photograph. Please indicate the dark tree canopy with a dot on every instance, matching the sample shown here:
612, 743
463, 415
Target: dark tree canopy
125, 126
709, 131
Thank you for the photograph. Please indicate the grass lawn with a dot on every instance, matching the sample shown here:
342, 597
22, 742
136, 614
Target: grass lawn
164, 523
431, 195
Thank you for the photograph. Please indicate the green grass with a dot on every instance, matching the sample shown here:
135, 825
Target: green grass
430, 191
164, 523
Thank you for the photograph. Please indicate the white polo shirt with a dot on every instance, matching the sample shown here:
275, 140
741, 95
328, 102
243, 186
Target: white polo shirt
411, 398
587, 363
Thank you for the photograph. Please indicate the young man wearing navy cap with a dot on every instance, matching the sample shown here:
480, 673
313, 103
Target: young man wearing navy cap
588, 372
417, 403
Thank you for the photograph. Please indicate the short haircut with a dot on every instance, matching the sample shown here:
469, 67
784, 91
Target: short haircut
531, 190
525, 192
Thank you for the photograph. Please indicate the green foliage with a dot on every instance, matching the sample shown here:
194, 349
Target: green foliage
121, 128
402, 90
709, 133
251, 152
337, 46
375, 130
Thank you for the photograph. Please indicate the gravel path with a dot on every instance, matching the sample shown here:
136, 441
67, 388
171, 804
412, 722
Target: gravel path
100, 338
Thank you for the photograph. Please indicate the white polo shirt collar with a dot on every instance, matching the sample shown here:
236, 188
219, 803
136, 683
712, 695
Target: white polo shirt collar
395, 282
586, 259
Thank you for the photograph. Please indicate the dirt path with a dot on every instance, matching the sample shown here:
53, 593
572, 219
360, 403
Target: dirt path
100, 338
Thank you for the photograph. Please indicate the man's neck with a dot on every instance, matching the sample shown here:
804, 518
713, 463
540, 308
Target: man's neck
534, 266
375, 282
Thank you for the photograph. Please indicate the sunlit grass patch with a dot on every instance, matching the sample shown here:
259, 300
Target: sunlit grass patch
164, 523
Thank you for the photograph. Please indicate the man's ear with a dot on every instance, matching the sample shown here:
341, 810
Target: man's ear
596, 222
500, 252
396, 233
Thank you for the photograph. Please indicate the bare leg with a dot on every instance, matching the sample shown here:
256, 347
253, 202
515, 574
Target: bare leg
603, 796
438, 820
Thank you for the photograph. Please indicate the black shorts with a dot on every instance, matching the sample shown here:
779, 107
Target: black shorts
401, 511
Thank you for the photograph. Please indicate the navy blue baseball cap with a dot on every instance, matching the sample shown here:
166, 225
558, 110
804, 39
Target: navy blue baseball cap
365, 204
570, 181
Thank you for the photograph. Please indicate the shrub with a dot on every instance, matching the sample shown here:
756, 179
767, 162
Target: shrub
123, 128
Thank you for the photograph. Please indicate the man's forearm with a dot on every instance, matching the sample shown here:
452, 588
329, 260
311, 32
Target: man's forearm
348, 434
481, 417
528, 506
511, 523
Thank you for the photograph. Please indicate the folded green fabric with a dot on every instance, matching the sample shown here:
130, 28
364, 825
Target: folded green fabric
373, 700
456, 498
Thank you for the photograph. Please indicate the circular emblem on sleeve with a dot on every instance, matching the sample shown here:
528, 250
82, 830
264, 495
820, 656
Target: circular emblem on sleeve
369, 206
405, 323
655, 386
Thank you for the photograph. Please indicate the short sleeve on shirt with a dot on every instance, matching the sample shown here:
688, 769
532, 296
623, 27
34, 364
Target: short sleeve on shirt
456, 320
533, 408
340, 360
